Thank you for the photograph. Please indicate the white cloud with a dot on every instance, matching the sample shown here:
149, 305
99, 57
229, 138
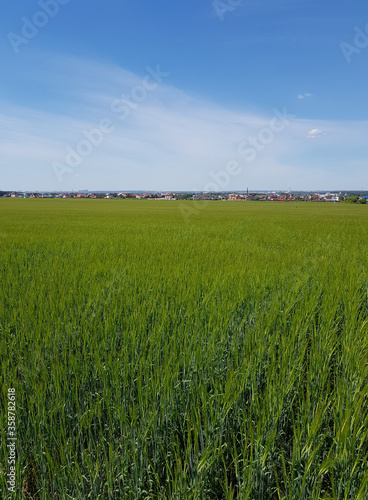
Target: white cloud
314, 133
305, 96
169, 141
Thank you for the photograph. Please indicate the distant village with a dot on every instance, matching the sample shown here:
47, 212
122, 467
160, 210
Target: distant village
171, 196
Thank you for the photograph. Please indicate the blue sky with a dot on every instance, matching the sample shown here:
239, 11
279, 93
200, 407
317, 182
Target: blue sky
123, 95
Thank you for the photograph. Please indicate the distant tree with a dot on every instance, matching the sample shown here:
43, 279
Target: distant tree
187, 196
362, 201
352, 199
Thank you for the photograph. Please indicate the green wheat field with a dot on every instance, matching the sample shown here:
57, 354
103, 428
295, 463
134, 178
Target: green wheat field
185, 350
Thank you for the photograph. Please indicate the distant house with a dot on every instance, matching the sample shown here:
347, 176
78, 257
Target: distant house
252, 197
169, 196
235, 197
331, 197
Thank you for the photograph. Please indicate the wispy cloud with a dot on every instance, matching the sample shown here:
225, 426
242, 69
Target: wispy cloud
305, 96
169, 141
314, 133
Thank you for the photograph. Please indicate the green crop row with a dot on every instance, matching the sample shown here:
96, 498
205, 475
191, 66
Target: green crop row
221, 355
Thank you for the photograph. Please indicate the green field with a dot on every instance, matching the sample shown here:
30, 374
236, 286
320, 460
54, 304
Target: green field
221, 355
